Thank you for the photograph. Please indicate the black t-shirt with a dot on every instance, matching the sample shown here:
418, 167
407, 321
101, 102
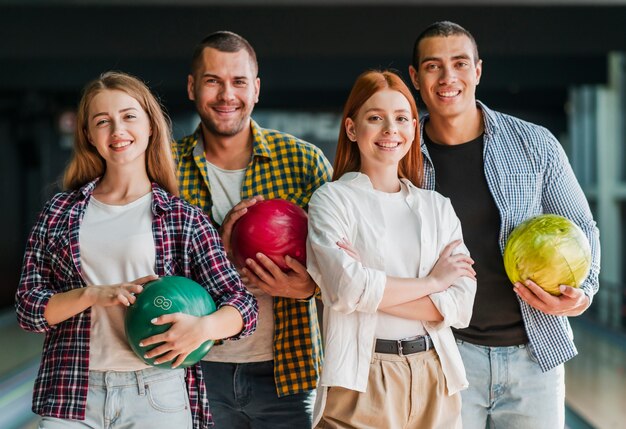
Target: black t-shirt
460, 176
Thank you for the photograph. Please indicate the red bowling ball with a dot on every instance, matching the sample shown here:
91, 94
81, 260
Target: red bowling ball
275, 228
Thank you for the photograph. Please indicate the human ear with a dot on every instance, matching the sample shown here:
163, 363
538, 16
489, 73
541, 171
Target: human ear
414, 80
479, 71
257, 89
190, 93
89, 139
350, 129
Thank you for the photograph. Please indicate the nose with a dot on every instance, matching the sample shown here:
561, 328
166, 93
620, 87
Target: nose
117, 128
390, 127
227, 92
448, 75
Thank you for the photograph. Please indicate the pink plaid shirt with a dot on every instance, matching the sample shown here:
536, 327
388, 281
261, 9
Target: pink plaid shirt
186, 245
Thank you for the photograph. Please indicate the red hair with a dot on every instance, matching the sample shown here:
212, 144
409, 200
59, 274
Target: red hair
347, 156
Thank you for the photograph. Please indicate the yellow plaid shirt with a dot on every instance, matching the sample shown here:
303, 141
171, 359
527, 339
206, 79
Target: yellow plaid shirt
281, 166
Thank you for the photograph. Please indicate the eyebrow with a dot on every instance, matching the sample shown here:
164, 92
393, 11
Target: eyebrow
455, 57
121, 111
377, 109
205, 75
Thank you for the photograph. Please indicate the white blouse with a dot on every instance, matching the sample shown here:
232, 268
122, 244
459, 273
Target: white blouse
352, 290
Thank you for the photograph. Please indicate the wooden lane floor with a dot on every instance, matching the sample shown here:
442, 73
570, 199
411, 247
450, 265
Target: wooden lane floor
18, 368
595, 380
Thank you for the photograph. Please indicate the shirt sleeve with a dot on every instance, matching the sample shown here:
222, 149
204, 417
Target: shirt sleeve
455, 303
562, 195
346, 284
213, 270
320, 170
34, 290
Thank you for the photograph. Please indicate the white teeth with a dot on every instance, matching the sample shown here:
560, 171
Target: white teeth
120, 144
449, 93
388, 145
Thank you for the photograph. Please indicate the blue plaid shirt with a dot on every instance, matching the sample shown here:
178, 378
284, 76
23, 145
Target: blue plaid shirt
528, 174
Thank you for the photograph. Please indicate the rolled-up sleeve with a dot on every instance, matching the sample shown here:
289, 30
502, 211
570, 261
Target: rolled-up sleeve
346, 285
562, 195
34, 291
214, 270
455, 303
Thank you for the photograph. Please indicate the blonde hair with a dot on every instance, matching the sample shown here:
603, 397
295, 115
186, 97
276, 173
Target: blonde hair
87, 164
348, 157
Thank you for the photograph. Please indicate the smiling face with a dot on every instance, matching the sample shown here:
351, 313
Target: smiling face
383, 128
119, 128
447, 75
224, 88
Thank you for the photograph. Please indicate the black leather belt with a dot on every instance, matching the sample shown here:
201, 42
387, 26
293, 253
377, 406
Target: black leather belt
404, 347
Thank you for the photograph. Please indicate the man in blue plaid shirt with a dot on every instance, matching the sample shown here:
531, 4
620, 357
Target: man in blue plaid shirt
225, 166
498, 171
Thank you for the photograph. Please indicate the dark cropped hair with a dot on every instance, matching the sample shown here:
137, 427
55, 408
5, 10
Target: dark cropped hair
223, 41
442, 29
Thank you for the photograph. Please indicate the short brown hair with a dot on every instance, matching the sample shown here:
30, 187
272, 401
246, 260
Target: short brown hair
223, 41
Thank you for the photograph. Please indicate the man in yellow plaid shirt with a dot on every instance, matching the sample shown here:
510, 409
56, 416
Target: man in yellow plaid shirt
228, 164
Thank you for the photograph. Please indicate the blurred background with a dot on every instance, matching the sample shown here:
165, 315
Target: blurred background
558, 63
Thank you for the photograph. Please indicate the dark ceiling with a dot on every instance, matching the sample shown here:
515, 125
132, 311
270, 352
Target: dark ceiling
308, 55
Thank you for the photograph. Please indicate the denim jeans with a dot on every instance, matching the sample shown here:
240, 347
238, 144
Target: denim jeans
508, 390
243, 396
152, 398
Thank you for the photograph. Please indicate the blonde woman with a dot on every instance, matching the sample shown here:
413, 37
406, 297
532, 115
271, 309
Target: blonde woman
117, 226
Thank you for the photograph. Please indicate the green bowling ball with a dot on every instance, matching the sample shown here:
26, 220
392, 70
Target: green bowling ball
164, 296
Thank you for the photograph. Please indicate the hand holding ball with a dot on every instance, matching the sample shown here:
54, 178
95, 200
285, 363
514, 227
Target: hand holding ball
164, 296
275, 228
550, 250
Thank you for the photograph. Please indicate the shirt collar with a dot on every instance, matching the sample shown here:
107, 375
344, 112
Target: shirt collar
363, 181
161, 200
489, 119
260, 145
87, 189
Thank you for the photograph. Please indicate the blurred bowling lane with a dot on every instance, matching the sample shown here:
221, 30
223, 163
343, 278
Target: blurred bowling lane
21, 353
595, 380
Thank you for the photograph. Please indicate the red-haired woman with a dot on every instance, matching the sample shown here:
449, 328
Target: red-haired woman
394, 274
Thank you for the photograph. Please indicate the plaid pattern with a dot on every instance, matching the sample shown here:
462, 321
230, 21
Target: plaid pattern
186, 245
528, 174
281, 166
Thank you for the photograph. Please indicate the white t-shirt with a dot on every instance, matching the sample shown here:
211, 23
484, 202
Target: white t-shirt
259, 347
352, 290
116, 245
401, 247
225, 189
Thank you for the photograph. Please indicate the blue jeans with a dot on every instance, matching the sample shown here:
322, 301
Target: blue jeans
150, 398
508, 390
243, 396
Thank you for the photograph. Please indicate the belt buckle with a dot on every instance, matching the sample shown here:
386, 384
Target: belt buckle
428, 344
400, 350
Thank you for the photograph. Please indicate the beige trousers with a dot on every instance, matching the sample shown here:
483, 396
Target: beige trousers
403, 392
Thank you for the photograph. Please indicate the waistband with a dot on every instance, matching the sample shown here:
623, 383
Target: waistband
133, 378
